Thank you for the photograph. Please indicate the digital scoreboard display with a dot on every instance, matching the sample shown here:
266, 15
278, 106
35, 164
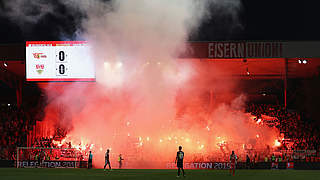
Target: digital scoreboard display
59, 61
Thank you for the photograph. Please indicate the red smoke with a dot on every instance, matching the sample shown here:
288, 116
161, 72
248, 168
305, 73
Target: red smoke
147, 119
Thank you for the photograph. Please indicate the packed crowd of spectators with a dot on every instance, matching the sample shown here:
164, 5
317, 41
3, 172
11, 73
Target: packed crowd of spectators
14, 126
44, 142
304, 135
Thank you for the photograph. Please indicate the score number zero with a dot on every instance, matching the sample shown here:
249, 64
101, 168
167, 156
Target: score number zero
61, 63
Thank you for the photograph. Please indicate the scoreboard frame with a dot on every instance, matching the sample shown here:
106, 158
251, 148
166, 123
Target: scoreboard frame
59, 61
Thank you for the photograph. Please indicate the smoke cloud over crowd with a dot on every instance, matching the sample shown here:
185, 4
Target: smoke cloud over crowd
146, 102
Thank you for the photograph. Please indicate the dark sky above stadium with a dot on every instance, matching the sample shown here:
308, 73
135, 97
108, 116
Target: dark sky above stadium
258, 20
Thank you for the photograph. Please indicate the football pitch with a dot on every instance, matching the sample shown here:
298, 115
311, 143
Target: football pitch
141, 174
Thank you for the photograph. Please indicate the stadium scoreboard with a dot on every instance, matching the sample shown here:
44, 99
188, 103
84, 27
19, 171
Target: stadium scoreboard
59, 61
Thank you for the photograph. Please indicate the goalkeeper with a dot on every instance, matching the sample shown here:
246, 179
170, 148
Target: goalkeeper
120, 161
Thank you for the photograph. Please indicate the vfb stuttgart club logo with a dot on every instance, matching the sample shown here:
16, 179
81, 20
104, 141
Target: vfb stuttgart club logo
39, 55
40, 68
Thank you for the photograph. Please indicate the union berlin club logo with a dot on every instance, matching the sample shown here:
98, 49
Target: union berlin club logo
39, 55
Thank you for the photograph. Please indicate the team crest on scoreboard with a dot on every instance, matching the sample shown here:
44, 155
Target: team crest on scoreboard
39, 55
40, 68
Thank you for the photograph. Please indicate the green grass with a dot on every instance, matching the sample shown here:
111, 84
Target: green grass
97, 174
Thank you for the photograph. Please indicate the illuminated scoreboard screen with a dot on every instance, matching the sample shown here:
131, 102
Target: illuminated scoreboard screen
59, 61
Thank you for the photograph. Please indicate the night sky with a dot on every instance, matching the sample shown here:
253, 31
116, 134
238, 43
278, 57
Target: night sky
259, 20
